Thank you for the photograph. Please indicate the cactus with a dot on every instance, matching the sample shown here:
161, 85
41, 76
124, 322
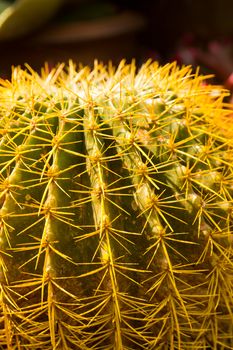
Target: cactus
116, 189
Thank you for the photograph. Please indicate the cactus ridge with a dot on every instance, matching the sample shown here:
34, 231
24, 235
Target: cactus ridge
116, 189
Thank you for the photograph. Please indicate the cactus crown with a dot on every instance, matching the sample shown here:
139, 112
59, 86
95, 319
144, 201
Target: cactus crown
116, 193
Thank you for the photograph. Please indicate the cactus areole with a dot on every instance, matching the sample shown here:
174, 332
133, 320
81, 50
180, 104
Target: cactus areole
116, 189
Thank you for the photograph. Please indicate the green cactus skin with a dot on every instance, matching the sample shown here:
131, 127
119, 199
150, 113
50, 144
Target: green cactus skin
116, 190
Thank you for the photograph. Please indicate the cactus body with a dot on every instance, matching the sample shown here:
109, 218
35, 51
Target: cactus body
116, 193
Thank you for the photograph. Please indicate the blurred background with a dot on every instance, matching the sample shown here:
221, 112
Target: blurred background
193, 32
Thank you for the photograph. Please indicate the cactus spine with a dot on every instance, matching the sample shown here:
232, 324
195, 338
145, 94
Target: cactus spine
116, 193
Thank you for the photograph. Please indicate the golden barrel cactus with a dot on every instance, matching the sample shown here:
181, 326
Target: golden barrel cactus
116, 189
